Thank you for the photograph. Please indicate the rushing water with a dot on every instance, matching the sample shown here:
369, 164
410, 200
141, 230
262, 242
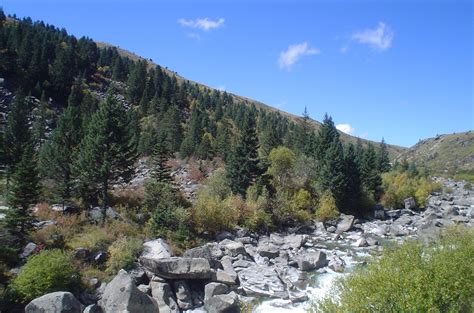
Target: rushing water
319, 286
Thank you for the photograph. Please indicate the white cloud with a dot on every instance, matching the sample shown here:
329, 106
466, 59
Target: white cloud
379, 38
294, 53
202, 23
345, 128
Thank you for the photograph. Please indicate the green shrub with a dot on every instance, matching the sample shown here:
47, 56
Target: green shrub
48, 271
398, 187
412, 278
122, 254
468, 186
327, 209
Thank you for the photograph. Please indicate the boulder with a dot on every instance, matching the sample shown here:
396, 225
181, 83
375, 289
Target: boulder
293, 241
223, 304
163, 296
232, 248
121, 295
345, 223
410, 203
331, 229
96, 213
55, 302
262, 281
198, 252
362, 242
179, 268
28, 250
81, 253
337, 264
292, 277
100, 257
214, 289
311, 260
379, 212
183, 295
66, 209
224, 235
156, 249
268, 249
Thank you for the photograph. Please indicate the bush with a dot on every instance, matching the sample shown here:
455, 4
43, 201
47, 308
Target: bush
468, 186
412, 278
327, 209
122, 254
48, 271
210, 214
398, 187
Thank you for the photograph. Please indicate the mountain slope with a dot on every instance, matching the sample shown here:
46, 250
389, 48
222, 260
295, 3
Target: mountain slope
394, 151
450, 153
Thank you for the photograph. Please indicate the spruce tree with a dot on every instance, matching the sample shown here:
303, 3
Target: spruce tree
326, 136
383, 158
22, 193
370, 172
160, 171
353, 192
56, 155
243, 165
332, 171
17, 133
105, 155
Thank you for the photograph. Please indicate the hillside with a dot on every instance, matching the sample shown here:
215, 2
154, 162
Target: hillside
394, 151
450, 153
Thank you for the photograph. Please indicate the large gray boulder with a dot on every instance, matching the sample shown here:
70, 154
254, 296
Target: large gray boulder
28, 250
178, 268
309, 261
156, 249
268, 249
232, 248
122, 296
214, 289
293, 241
262, 281
228, 303
163, 295
55, 302
345, 223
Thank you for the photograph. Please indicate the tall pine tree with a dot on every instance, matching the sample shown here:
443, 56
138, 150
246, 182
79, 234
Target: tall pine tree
106, 154
243, 165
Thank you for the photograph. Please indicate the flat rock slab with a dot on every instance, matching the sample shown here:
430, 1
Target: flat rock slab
262, 281
179, 268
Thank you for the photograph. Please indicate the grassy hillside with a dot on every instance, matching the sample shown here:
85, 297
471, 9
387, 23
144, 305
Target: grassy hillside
393, 150
451, 154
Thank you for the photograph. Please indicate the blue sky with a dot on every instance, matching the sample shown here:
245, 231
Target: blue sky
402, 70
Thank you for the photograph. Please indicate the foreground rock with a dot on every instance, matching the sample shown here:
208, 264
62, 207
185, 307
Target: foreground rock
345, 223
56, 302
179, 268
228, 303
122, 295
262, 281
311, 261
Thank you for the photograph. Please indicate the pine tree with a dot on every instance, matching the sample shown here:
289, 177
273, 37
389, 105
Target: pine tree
23, 192
160, 171
40, 125
305, 136
332, 171
383, 158
243, 165
17, 134
353, 193
222, 142
56, 155
326, 136
105, 155
370, 172
204, 150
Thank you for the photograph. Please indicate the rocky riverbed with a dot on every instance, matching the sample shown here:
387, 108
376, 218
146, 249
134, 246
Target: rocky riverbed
277, 272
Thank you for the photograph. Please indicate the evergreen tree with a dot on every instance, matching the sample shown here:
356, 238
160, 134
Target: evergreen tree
204, 150
370, 172
40, 124
23, 192
105, 155
326, 137
332, 171
382, 158
160, 171
136, 82
305, 136
243, 164
222, 143
56, 155
353, 192
17, 133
